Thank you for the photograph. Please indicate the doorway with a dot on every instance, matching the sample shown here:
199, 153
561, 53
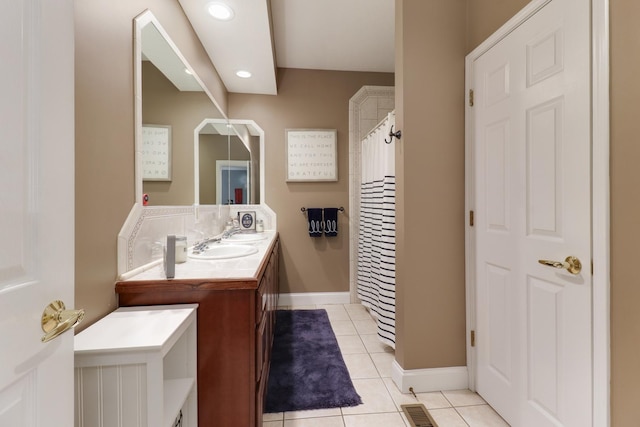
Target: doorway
233, 182
530, 138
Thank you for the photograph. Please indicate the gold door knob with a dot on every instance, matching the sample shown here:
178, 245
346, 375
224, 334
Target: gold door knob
571, 264
56, 319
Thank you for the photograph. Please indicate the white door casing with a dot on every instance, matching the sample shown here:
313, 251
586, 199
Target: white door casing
529, 147
36, 209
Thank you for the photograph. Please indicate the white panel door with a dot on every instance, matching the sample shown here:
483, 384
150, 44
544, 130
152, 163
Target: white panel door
36, 209
532, 145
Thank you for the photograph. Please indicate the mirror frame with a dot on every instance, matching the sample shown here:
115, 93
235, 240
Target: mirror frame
145, 18
230, 122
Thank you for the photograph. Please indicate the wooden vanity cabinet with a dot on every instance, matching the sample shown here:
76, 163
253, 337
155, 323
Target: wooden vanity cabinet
235, 334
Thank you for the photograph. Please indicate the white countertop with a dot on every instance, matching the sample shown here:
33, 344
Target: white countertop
134, 329
233, 268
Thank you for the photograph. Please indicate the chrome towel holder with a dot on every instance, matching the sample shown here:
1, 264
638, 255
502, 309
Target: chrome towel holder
341, 209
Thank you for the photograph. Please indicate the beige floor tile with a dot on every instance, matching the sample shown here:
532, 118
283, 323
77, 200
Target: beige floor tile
315, 422
373, 344
350, 344
315, 413
392, 419
383, 363
335, 311
303, 307
360, 366
404, 418
375, 398
447, 417
369, 362
357, 311
343, 327
463, 398
481, 416
365, 326
434, 400
277, 416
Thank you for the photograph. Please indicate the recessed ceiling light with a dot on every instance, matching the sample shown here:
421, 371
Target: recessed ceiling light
186, 70
220, 11
243, 73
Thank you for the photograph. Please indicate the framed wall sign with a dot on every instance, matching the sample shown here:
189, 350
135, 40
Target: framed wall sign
156, 153
312, 155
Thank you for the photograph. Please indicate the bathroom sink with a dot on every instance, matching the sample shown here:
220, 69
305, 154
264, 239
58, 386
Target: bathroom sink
245, 238
227, 251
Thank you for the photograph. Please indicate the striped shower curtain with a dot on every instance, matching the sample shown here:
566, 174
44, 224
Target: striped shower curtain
377, 234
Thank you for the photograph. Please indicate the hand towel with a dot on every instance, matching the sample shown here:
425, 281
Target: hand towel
330, 222
314, 216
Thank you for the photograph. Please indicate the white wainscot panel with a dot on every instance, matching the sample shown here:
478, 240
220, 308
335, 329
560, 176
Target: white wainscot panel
111, 396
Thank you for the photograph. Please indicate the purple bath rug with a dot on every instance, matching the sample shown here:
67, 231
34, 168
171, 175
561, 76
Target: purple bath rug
307, 369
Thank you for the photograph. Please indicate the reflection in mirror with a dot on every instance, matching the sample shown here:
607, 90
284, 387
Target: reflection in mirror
236, 179
168, 96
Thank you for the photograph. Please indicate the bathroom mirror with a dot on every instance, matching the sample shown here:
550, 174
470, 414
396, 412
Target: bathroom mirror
169, 97
170, 103
236, 179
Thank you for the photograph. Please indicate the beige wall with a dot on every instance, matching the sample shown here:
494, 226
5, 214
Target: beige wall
212, 148
307, 99
431, 43
484, 17
625, 221
105, 133
164, 104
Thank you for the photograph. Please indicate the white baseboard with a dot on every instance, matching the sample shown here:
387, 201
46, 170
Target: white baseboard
427, 380
313, 298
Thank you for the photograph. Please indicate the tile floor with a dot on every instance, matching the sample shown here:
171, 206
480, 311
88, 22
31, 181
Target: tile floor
369, 363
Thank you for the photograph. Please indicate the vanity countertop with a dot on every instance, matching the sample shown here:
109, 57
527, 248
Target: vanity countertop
245, 267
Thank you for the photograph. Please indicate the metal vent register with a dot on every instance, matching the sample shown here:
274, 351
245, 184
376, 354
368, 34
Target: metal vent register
418, 415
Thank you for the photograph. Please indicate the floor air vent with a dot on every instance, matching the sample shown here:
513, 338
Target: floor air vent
418, 416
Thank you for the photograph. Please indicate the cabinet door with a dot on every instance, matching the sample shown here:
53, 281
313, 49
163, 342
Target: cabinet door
262, 346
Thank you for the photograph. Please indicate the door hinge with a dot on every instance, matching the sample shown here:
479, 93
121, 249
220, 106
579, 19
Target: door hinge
470, 97
471, 218
473, 338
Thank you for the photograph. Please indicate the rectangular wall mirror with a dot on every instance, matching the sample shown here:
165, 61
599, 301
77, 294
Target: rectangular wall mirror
171, 97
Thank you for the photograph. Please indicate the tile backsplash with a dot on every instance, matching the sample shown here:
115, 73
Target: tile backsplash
143, 235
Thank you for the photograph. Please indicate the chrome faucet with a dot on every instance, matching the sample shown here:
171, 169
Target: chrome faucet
230, 232
204, 244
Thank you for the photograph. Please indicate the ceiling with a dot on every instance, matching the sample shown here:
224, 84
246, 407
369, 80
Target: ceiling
343, 35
